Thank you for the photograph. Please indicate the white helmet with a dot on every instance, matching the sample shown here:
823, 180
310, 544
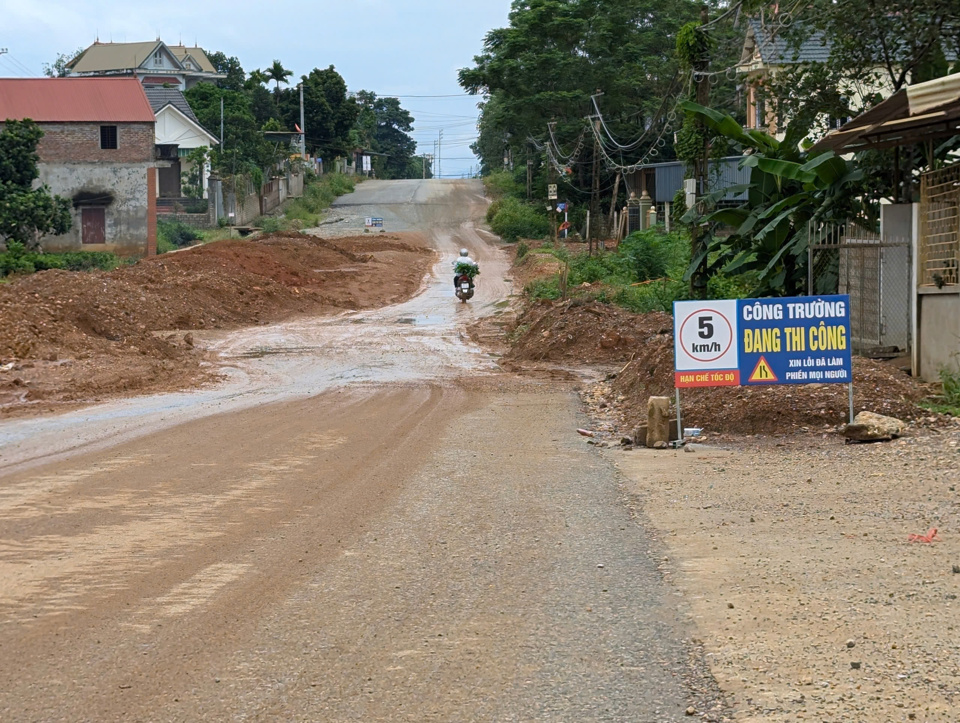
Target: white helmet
464, 252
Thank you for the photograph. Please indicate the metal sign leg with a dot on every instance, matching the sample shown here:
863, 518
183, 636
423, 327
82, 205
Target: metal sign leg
679, 418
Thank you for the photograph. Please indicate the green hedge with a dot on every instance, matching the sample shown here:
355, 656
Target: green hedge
175, 234
512, 220
17, 261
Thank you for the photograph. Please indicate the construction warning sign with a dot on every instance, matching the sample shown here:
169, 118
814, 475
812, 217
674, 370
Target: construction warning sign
798, 340
762, 373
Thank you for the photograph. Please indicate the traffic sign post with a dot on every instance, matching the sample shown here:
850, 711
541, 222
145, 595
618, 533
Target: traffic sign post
752, 342
552, 192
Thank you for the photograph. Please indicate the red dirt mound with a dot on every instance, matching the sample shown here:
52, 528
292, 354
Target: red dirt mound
77, 336
582, 332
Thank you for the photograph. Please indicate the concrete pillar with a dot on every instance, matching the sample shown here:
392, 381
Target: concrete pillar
658, 422
151, 212
645, 204
667, 210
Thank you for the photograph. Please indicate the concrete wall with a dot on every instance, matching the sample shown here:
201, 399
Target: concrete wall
124, 191
939, 322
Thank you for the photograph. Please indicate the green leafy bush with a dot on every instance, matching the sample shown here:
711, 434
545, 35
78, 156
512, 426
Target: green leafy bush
270, 224
499, 184
655, 296
522, 250
16, 260
514, 220
543, 289
176, 234
493, 209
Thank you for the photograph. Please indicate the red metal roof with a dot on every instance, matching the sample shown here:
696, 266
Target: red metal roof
81, 100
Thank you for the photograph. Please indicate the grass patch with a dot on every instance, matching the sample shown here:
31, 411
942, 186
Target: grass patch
319, 193
949, 400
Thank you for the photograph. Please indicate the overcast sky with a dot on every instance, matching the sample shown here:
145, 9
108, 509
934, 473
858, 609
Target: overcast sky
402, 47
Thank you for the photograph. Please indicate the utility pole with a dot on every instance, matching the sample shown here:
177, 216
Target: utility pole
440, 156
698, 279
221, 124
303, 128
595, 194
553, 205
529, 174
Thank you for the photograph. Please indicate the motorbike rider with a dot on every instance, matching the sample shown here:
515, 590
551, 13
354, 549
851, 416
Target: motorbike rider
464, 258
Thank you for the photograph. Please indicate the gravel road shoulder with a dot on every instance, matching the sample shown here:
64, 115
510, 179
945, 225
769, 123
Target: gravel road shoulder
792, 556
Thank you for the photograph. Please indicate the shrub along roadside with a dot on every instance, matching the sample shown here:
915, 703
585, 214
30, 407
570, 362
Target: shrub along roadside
645, 273
175, 235
512, 220
16, 260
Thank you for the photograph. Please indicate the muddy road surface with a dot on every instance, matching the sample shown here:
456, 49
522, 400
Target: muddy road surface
367, 521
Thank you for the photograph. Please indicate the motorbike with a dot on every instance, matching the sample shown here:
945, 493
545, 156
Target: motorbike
464, 288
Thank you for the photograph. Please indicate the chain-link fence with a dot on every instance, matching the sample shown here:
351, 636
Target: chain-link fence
875, 272
939, 263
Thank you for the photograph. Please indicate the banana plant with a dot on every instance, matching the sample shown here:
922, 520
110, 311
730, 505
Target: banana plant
788, 190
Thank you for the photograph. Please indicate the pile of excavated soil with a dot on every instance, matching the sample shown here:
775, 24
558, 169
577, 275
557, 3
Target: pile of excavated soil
70, 336
581, 332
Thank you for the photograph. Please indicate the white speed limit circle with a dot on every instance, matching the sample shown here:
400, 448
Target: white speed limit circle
706, 335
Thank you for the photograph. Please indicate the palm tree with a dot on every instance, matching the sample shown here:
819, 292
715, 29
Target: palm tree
259, 77
278, 74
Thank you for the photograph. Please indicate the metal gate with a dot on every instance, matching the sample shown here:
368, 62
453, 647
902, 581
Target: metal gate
875, 272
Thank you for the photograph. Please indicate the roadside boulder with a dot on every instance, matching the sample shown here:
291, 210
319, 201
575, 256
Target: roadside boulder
658, 421
640, 433
871, 427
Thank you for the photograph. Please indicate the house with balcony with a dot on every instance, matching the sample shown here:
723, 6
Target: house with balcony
767, 51
154, 63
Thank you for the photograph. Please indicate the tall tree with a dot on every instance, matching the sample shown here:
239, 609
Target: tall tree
548, 63
278, 74
229, 66
256, 77
384, 126
244, 145
26, 213
875, 49
329, 113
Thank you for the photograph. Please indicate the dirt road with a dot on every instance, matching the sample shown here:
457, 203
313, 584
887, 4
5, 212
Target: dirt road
367, 522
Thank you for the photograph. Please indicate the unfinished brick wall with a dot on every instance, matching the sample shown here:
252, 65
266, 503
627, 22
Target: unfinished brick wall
80, 143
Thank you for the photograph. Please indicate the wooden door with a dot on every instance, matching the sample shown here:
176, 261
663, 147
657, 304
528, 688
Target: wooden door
93, 227
170, 181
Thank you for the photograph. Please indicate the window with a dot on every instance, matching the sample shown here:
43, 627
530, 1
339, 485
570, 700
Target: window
760, 121
158, 59
108, 138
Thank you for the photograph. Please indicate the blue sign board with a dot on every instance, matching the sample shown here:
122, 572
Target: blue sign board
798, 340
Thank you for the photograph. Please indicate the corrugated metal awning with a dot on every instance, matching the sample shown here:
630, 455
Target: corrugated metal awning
923, 112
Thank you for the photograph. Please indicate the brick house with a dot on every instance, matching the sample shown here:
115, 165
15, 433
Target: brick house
98, 151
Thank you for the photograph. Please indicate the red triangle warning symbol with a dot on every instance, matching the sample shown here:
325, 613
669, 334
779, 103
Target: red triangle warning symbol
763, 373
